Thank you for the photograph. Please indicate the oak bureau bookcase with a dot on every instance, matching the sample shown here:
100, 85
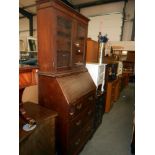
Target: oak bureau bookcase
64, 83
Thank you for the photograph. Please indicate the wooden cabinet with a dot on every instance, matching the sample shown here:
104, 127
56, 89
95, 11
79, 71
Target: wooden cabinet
117, 89
40, 140
92, 52
73, 97
99, 109
62, 34
112, 93
131, 56
64, 83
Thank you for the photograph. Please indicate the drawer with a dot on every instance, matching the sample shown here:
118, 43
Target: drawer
89, 113
77, 143
88, 129
80, 105
76, 108
77, 124
89, 99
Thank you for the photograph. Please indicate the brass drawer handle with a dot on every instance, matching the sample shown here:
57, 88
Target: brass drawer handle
90, 98
71, 113
77, 142
78, 123
79, 106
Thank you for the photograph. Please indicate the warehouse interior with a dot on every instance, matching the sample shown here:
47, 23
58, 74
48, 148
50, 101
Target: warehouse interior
53, 70
77, 77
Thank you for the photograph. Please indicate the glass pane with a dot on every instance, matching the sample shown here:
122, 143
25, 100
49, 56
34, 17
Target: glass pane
64, 29
79, 45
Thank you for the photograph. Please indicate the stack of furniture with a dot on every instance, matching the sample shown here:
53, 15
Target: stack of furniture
106, 76
97, 72
64, 83
112, 85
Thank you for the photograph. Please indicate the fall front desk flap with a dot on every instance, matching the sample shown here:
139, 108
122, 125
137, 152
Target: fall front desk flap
76, 86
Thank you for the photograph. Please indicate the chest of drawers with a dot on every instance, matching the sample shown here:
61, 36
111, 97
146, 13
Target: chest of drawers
40, 140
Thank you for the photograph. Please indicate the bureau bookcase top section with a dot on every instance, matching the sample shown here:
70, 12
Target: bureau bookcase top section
62, 34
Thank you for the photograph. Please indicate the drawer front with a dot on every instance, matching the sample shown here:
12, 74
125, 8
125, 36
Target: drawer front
89, 113
77, 143
77, 124
88, 129
80, 105
76, 109
89, 99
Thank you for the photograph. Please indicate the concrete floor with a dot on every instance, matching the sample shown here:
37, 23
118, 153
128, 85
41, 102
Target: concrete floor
113, 136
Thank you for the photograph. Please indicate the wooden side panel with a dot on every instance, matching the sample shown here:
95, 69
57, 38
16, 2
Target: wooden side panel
38, 141
51, 96
117, 90
108, 97
92, 51
46, 45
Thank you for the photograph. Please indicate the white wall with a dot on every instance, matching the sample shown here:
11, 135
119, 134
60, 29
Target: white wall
110, 24
90, 12
102, 9
114, 7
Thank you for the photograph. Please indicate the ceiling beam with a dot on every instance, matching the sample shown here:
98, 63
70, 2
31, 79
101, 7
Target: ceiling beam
33, 5
25, 13
30, 17
99, 2
68, 3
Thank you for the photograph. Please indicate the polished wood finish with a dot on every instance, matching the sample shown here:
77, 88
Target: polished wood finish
131, 56
28, 76
41, 140
73, 97
62, 34
64, 83
117, 89
112, 93
125, 79
92, 52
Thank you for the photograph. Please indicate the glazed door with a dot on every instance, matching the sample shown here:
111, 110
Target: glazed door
79, 45
63, 42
